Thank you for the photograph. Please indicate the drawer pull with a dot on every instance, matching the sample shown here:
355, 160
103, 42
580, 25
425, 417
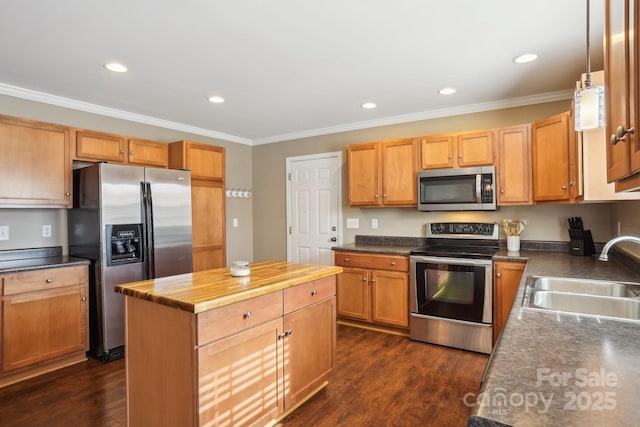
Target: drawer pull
49, 280
314, 293
393, 263
247, 315
347, 260
282, 335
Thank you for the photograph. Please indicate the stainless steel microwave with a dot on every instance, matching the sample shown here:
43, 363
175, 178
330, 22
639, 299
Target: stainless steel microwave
464, 189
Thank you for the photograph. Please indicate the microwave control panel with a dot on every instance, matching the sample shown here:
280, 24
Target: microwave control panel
487, 188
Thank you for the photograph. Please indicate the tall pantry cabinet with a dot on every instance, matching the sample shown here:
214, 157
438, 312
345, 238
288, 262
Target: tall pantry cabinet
206, 163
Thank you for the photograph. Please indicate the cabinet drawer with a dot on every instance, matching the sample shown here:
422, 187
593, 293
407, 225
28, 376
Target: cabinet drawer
39, 280
309, 293
380, 262
233, 318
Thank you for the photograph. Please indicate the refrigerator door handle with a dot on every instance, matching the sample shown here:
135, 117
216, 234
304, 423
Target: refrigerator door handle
148, 219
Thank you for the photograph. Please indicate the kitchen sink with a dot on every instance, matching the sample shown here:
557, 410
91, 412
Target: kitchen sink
618, 300
586, 286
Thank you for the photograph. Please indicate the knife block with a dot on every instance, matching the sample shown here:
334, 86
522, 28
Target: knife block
581, 243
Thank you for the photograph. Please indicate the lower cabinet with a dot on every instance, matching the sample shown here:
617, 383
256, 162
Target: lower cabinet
245, 363
506, 278
44, 321
373, 288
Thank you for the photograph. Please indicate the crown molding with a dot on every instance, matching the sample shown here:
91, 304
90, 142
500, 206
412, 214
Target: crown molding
60, 101
425, 115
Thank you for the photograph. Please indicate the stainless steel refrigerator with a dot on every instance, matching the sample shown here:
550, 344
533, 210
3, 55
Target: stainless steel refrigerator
133, 223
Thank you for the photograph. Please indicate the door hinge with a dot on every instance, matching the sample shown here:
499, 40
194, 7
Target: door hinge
289, 176
289, 229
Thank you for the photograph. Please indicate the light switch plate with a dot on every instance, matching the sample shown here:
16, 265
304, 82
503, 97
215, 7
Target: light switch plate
353, 223
374, 223
4, 232
46, 231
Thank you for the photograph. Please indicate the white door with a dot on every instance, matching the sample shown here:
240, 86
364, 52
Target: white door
314, 207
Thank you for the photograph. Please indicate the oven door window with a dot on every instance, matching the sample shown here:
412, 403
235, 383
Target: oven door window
451, 291
450, 189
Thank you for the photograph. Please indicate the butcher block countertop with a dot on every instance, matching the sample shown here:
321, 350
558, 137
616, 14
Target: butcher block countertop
204, 290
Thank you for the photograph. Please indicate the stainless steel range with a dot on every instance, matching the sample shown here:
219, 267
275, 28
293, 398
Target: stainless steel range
451, 298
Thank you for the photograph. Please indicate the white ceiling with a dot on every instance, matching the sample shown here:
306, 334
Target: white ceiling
293, 68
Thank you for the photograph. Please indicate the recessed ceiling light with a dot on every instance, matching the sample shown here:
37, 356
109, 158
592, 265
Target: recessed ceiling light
115, 67
447, 91
216, 99
524, 58
369, 105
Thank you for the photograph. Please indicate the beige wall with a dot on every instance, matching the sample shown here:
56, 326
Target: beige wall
626, 216
26, 224
546, 222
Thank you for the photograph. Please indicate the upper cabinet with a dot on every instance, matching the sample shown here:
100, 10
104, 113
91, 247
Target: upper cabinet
98, 146
203, 160
514, 165
554, 159
457, 150
622, 92
383, 173
35, 163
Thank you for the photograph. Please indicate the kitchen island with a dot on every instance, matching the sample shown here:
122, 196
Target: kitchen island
208, 348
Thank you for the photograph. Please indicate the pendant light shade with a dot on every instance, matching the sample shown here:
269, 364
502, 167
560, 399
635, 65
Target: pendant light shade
589, 99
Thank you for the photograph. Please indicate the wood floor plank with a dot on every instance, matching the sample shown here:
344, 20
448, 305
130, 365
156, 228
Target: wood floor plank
380, 380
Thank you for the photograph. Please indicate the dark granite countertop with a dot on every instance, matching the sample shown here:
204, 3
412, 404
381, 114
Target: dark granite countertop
383, 245
561, 369
14, 261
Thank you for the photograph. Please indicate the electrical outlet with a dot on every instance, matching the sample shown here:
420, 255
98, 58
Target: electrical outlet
374, 223
46, 231
4, 232
353, 223
235, 222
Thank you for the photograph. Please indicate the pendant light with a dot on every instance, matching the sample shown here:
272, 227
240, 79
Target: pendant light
589, 99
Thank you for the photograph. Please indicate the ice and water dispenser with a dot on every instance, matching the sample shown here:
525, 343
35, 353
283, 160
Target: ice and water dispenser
124, 243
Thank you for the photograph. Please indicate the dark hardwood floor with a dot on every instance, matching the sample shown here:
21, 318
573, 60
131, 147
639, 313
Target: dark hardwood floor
380, 380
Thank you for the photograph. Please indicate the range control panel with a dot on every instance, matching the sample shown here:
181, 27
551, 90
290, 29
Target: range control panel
463, 230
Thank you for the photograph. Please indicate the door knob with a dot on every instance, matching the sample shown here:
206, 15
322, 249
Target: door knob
334, 239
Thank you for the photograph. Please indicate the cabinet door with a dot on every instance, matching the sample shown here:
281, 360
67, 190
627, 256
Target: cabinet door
353, 293
205, 161
39, 326
399, 169
550, 147
506, 278
390, 298
100, 146
514, 165
437, 152
363, 169
238, 378
309, 349
618, 55
35, 163
148, 153
208, 224
475, 149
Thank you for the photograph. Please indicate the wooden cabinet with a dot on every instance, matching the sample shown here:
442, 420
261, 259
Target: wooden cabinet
98, 146
207, 166
462, 150
622, 92
554, 159
506, 278
373, 288
245, 363
35, 163
514, 165
44, 321
383, 173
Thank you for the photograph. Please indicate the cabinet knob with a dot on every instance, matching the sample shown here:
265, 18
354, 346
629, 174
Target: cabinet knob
450, 157
121, 151
498, 275
49, 280
131, 153
564, 187
393, 263
621, 134
376, 196
247, 315
346, 260
282, 336
459, 156
67, 194
364, 278
288, 332
83, 299
572, 183
373, 281
314, 293
502, 190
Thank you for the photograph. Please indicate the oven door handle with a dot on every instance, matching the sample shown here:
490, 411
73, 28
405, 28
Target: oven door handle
479, 188
454, 261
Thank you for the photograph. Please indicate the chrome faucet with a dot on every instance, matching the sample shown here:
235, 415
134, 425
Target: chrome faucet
610, 243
